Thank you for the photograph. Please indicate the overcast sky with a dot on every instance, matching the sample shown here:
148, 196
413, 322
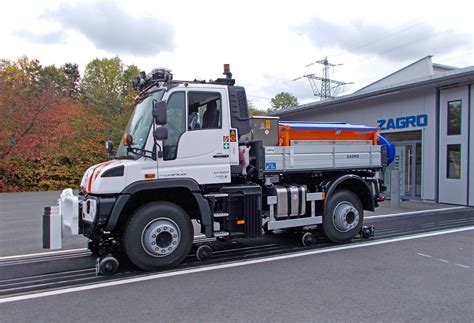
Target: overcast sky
267, 43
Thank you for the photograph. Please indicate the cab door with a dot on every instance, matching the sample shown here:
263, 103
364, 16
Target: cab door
198, 142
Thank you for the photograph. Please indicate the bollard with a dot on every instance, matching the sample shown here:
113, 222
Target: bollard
395, 189
52, 228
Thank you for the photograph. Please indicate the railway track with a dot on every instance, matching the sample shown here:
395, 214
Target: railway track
31, 274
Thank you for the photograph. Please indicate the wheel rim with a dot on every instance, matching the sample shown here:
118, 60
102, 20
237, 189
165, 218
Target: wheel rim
346, 217
161, 237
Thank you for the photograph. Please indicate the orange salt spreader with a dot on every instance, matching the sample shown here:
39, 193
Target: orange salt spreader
300, 130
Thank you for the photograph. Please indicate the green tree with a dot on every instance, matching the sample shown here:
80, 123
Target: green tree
283, 100
102, 85
73, 77
129, 74
107, 86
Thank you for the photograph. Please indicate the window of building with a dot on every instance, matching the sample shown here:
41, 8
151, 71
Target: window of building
454, 117
176, 124
454, 161
204, 110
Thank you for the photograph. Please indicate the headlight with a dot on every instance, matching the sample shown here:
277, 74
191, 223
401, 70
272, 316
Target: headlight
89, 210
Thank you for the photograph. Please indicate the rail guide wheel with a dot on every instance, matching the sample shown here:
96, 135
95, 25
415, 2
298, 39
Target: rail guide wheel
308, 239
367, 232
106, 266
203, 252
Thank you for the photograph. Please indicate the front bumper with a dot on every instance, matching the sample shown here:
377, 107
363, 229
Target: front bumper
74, 215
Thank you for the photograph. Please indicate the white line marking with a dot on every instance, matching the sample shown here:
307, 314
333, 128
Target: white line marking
228, 265
444, 260
463, 266
423, 255
414, 212
42, 254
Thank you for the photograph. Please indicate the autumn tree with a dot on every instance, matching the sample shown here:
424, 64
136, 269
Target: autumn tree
42, 129
283, 100
33, 112
53, 124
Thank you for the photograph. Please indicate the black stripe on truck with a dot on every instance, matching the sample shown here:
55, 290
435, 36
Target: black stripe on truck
288, 196
300, 200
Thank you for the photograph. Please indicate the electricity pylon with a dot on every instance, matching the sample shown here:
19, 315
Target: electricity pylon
323, 87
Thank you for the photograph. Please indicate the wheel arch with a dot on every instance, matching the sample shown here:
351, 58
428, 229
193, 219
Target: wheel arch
184, 192
355, 184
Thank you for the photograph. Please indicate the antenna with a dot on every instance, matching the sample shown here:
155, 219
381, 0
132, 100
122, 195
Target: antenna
323, 87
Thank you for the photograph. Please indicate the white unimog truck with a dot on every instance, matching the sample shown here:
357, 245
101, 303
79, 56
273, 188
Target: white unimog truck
191, 153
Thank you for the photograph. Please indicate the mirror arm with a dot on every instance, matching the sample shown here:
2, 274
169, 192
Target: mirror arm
160, 151
142, 152
112, 154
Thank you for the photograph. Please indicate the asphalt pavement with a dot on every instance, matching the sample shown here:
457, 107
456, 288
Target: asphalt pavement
21, 223
428, 279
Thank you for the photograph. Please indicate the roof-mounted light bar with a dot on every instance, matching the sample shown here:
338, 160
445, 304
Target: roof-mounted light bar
156, 75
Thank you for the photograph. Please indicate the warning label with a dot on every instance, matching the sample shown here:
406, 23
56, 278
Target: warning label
233, 135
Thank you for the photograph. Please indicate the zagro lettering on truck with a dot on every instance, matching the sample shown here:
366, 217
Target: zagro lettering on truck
420, 120
351, 156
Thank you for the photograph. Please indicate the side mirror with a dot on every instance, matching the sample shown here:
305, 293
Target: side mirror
161, 133
109, 147
127, 140
159, 112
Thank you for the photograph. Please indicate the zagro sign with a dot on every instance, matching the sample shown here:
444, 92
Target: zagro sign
420, 120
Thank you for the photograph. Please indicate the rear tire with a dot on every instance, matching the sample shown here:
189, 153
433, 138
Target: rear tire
157, 235
344, 217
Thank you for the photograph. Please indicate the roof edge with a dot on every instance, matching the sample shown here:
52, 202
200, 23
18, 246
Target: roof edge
397, 71
383, 91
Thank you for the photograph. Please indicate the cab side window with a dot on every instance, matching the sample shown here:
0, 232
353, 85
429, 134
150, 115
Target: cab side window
204, 110
176, 124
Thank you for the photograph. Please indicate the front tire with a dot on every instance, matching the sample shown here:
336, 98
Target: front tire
344, 217
157, 235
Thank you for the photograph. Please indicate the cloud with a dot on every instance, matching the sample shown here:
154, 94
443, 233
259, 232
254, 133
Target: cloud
110, 28
55, 37
396, 44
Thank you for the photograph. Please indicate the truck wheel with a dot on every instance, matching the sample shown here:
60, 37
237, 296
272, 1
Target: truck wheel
344, 217
159, 234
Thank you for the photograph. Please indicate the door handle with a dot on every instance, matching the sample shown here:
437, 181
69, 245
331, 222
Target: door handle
221, 156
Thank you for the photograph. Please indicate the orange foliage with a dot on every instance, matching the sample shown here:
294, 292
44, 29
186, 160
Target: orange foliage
45, 135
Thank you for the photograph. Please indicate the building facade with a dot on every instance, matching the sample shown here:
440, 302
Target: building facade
425, 110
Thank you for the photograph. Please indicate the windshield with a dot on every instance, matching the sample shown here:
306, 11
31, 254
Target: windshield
139, 125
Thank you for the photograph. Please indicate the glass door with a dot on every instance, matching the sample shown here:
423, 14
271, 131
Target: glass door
408, 162
409, 171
